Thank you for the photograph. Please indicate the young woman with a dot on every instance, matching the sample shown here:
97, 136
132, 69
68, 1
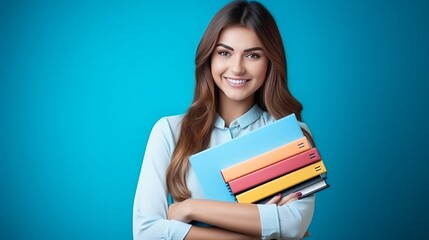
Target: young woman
240, 86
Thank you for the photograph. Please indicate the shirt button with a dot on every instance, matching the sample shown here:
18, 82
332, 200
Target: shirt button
235, 124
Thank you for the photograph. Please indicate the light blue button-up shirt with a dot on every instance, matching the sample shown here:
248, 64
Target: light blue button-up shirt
289, 221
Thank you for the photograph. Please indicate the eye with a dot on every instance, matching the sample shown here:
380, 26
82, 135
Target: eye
253, 55
224, 53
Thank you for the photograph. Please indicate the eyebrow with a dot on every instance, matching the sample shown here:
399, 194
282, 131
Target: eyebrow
245, 50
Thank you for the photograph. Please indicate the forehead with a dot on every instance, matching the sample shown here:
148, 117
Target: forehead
239, 37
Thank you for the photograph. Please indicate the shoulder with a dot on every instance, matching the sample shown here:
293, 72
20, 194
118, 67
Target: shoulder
307, 133
168, 125
267, 118
173, 120
304, 126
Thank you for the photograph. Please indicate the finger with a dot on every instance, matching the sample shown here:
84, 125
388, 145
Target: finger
275, 199
292, 195
284, 201
307, 234
290, 198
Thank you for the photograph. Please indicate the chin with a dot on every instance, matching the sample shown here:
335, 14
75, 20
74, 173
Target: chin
238, 98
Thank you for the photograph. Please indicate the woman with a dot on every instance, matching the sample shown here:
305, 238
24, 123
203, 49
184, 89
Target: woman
240, 86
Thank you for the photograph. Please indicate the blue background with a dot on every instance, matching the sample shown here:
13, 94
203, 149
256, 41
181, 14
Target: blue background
82, 83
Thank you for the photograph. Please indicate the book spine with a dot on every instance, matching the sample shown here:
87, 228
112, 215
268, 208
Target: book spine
275, 170
310, 190
295, 188
281, 183
265, 159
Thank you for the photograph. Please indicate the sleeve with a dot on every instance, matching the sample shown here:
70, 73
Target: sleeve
289, 221
151, 197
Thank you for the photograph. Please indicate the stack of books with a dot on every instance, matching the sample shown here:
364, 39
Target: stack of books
276, 158
290, 168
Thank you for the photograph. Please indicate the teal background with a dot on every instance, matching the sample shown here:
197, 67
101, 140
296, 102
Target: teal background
82, 83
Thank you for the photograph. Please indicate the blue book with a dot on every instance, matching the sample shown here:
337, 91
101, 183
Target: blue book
208, 164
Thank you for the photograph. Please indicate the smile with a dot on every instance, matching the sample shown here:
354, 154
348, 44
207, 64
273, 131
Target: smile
237, 82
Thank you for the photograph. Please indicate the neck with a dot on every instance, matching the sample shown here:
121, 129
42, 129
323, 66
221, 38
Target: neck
230, 110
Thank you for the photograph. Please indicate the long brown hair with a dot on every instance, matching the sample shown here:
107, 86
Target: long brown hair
274, 95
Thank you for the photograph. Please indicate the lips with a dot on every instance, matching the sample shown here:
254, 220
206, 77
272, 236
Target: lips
236, 82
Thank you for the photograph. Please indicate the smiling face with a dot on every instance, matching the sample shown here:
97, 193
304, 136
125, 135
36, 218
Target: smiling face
238, 65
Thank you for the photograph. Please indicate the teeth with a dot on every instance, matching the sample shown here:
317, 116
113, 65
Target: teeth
236, 81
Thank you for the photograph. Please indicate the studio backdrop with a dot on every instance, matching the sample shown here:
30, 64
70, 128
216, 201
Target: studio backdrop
83, 82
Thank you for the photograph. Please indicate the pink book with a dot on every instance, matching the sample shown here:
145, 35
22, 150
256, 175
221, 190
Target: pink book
275, 170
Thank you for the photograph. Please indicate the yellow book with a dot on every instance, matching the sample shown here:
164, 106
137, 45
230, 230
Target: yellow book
265, 159
281, 183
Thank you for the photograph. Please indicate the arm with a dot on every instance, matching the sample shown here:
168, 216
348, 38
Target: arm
225, 215
150, 203
289, 221
213, 233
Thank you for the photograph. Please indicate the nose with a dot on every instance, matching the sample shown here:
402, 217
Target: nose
238, 67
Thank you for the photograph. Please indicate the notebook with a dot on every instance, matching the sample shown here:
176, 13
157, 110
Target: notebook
208, 164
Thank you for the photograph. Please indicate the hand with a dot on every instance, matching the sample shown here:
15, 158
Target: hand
287, 199
180, 211
307, 234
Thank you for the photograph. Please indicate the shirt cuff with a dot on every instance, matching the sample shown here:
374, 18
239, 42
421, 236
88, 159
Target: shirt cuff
269, 221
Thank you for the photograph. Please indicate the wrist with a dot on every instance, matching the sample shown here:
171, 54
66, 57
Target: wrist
189, 212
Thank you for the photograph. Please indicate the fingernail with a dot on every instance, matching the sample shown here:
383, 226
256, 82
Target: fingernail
298, 194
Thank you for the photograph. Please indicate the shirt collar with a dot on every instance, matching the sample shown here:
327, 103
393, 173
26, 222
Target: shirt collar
243, 121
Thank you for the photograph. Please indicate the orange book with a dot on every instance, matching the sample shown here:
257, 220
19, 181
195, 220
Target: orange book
265, 159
